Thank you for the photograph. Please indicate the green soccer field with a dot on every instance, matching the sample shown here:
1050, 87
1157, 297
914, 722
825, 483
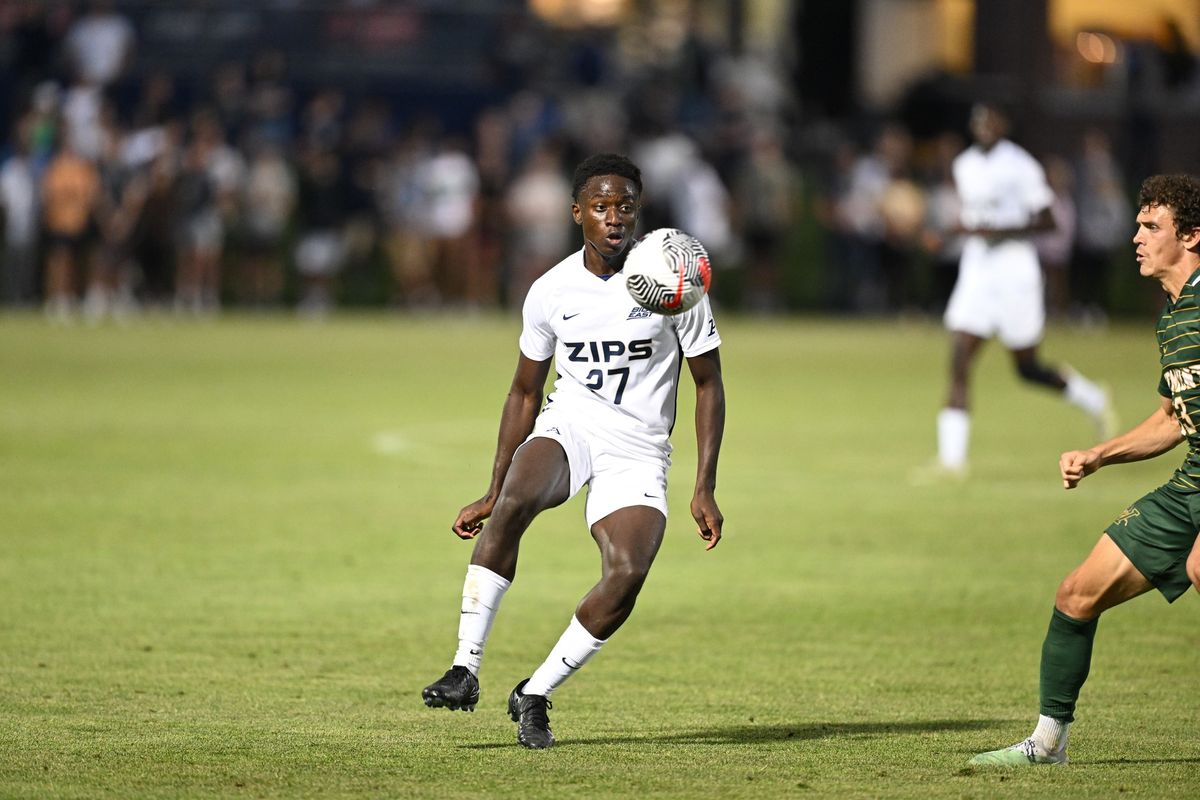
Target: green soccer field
226, 571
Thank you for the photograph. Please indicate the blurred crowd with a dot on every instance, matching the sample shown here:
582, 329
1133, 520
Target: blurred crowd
891, 214
124, 189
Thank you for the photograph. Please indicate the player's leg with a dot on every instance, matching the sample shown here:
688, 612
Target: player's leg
1105, 579
954, 420
1076, 389
60, 280
1032, 370
539, 478
1021, 325
963, 349
1193, 565
629, 539
971, 318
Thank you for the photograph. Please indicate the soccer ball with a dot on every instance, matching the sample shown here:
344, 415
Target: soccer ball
667, 271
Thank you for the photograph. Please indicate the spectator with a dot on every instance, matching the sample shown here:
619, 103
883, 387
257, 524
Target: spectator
70, 194
157, 102
683, 190
900, 207
764, 188
19, 197
366, 138
1103, 225
491, 146
702, 204
268, 200
271, 99
321, 125
450, 186
229, 99
110, 286
44, 123
1054, 247
155, 232
664, 155
857, 215
321, 247
941, 238
100, 44
401, 200
82, 117
833, 185
539, 231
208, 188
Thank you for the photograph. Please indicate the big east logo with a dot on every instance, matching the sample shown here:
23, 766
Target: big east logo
638, 350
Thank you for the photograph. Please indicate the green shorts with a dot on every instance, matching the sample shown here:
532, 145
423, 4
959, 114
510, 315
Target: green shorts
1157, 533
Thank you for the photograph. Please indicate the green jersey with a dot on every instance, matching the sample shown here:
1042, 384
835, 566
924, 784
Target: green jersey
1179, 348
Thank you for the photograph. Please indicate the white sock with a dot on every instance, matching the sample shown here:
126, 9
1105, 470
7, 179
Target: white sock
574, 649
1051, 734
482, 592
1085, 394
954, 431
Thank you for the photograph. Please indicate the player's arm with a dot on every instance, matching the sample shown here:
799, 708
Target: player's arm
516, 421
710, 427
1155, 435
1041, 222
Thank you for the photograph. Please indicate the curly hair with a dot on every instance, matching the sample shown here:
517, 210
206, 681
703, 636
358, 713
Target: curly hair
1180, 193
605, 164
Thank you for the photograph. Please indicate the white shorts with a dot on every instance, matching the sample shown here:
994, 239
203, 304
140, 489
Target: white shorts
999, 293
205, 231
614, 479
320, 254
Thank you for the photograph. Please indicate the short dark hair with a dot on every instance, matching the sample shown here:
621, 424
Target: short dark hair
1180, 193
605, 164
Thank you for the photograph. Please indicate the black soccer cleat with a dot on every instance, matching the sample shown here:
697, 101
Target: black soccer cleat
529, 712
457, 690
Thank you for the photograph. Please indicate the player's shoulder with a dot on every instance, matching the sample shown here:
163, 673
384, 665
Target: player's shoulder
1189, 295
967, 156
1013, 153
555, 279
561, 273
972, 165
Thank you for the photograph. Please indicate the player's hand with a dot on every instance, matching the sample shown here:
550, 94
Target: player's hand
469, 521
708, 518
1075, 465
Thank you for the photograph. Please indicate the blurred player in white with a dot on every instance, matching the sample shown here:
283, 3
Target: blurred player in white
1005, 199
606, 425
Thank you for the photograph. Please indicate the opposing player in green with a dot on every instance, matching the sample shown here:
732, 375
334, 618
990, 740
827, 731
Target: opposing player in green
1148, 545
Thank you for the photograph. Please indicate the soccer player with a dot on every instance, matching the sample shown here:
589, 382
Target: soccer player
605, 425
1005, 199
1148, 545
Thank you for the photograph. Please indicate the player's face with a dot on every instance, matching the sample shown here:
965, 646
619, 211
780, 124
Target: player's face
987, 126
1159, 248
607, 210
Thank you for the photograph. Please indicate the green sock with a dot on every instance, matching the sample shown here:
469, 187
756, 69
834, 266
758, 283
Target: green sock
1066, 658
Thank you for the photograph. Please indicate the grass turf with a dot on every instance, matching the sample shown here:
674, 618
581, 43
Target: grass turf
226, 570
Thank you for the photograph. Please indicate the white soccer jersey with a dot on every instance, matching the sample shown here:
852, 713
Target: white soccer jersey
999, 287
1004, 187
617, 364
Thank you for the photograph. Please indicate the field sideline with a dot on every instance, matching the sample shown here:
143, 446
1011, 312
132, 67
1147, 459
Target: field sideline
227, 571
